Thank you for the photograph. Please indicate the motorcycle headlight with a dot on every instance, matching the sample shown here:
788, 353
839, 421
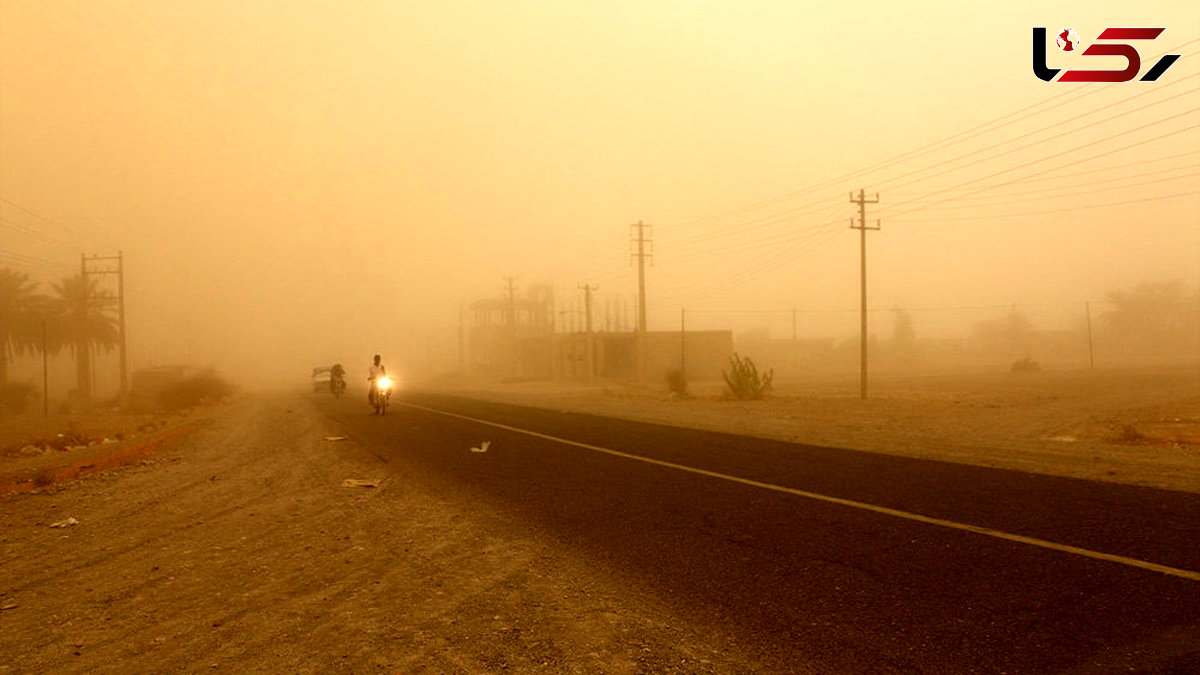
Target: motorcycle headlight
385, 382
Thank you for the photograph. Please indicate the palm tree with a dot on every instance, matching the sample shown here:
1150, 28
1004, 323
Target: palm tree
82, 319
19, 319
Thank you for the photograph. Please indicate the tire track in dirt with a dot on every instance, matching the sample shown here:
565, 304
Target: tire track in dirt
275, 567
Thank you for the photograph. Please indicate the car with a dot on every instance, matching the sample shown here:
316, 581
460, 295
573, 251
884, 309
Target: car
320, 380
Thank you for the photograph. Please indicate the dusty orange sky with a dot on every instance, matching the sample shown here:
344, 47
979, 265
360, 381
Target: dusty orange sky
296, 183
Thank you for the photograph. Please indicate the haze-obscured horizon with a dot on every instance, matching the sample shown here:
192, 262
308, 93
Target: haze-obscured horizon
296, 184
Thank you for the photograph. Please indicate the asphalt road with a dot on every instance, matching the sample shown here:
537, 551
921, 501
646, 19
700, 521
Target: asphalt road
795, 578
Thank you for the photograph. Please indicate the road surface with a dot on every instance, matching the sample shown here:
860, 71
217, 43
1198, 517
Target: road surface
581, 544
837, 584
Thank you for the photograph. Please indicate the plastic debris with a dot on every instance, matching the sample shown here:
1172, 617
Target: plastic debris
361, 482
65, 523
483, 447
335, 438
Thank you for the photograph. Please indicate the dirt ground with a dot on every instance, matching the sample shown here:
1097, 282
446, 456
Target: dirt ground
237, 548
1138, 426
231, 544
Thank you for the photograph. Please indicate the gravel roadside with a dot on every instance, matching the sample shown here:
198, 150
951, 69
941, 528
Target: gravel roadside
239, 549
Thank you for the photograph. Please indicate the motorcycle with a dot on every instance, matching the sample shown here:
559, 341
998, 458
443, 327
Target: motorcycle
381, 390
337, 385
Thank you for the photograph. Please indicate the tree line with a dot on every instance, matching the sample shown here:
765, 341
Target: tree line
71, 317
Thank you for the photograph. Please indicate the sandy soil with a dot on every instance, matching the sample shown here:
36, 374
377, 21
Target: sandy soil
238, 549
232, 545
1131, 426
39, 451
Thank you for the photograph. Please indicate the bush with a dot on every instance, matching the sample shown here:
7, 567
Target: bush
43, 477
15, 397
1026, 365
1128, 433
205, 387
677, 384
744, 381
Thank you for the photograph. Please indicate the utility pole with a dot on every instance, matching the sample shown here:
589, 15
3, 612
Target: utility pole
121, 321
587, 303
83, 349
569, 319
512, 301
641, 256
862, 202
82, 361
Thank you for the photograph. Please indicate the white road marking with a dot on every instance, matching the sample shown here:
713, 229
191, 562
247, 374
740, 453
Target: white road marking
998, 534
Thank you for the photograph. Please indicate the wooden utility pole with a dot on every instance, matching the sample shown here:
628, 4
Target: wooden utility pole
587, 303
641, 256
862, 202
512, 301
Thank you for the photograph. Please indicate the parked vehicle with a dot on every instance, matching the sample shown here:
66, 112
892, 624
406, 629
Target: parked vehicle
320, 380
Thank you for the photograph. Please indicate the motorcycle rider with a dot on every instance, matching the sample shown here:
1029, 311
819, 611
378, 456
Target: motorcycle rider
376, 370
337, 379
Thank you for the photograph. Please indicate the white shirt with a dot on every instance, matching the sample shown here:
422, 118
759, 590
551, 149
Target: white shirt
375, 371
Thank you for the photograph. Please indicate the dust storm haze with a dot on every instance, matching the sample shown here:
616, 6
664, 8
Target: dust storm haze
294, 184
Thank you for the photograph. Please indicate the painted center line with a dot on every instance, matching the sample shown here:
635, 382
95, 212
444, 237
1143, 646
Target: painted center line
986, 531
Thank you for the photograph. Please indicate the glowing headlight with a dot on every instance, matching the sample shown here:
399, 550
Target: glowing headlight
385, 382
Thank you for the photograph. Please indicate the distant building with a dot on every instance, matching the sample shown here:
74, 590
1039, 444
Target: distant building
515, 339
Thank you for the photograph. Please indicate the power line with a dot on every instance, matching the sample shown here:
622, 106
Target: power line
1116, 167
945, 142
1053, 193
39, 216
701, 238
1111, 118
1053, 156
24, 229
773, 261
761, 242
1059, 210
32, 260
1078, 186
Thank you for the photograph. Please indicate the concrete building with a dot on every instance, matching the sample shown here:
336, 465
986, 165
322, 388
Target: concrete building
514, 339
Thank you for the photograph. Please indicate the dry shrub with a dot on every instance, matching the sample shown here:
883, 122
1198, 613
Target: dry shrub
15, 397
43, 477
1026, 365
677, 383
744, 380
1127, 433
205, 387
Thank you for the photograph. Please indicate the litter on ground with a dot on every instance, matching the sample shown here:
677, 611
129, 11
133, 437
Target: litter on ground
483, 447
361, 482
65, 523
